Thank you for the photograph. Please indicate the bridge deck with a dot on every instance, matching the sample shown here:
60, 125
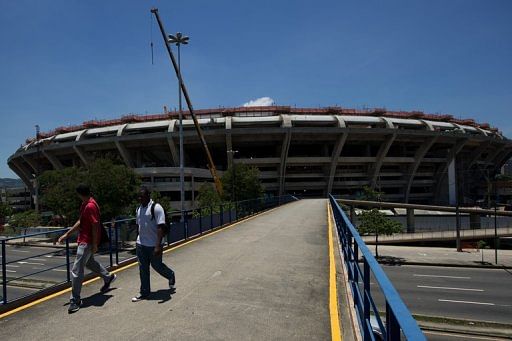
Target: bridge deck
264, 279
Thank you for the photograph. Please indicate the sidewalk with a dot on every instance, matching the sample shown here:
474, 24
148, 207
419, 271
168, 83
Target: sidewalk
264, 279
441, 256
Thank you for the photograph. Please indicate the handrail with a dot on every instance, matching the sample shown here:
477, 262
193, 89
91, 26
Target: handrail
398, 317
180, 231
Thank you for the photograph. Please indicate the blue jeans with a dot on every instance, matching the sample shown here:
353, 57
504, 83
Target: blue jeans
146, 257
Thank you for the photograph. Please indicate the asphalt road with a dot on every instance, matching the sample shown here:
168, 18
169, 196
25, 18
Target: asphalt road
465, 293
38, 265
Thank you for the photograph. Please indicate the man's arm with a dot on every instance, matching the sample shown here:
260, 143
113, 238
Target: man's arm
95, 237
69, 232
160, 220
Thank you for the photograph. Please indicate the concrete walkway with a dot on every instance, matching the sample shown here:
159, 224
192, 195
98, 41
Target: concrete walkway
264, 279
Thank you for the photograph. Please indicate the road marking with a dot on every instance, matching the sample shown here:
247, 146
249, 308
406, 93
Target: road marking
466, 302
59, 293
10, 270
60, 270
441, 276
29, 263
25, 251
462, 336
449, 288
38, 259
12, 266
333, 292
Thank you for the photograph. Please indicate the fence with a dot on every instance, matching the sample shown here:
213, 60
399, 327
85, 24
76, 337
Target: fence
398, 321
33, 262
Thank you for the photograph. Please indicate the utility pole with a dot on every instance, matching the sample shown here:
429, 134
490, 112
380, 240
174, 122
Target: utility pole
36, 180
496, 240
457, 208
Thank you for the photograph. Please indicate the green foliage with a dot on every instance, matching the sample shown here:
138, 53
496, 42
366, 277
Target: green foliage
481, 244
369, 194
25, 219
208, 196
245, 182
162, 200
5, 211
375, 222
113, 186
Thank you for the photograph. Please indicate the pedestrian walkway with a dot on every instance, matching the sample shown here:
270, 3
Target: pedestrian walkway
264, 279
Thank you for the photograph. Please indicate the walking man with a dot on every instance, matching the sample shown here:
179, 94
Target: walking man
152, 228
88, 226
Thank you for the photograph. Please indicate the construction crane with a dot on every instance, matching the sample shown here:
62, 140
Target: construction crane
211, 165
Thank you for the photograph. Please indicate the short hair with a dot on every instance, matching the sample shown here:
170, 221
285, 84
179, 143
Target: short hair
145, 190
83, 189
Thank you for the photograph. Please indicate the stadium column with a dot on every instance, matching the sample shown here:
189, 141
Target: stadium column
78, 150
478, 153
172, 145
121, 148
383, 151
450, 158
229, 141
419, 155
336, 152
22, 172
53, 160
287, 126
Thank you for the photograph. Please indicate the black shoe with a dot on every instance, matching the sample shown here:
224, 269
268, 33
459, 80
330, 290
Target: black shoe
172, 282
106, 286
74, 306
139, 297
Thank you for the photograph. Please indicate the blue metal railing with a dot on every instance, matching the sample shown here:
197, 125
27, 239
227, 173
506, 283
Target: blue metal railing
398, 321
197, 222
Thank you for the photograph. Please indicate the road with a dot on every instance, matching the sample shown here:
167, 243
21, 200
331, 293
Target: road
465, 293
38, 265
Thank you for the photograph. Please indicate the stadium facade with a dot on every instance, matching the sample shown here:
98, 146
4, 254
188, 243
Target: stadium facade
410, 156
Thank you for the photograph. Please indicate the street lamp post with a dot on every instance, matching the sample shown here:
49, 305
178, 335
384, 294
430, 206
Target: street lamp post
36, 180
178, 40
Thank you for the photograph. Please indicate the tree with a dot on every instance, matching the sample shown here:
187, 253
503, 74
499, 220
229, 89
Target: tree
369, 194
5, 211
113, 186
481, 245
375, 222
243, 184
208, 197
28, 218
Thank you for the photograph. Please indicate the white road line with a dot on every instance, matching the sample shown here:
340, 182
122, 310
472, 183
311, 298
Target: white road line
39, 259
466, 302
10, 270
60, 270
461, 336
25, 251
441, 276
30, 263
449, 288
12, 266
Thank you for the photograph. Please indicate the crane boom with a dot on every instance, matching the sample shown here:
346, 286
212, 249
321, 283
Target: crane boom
211, 165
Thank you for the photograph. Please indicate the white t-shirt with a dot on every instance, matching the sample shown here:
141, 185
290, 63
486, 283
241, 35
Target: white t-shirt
148, 228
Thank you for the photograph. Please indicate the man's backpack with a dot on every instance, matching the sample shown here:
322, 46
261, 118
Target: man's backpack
167, 225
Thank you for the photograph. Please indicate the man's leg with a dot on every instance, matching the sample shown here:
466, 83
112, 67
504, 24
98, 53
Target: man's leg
93, 265
144, 257
161, 268
77, 272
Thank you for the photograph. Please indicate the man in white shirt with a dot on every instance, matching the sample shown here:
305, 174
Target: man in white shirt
152, 227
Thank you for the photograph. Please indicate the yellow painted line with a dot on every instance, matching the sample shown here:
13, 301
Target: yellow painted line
333, 292
63, 291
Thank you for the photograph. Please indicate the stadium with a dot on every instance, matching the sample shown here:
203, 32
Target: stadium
410, 156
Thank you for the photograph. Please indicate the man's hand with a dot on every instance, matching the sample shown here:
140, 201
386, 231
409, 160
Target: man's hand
94, 248
63, 238
158, 250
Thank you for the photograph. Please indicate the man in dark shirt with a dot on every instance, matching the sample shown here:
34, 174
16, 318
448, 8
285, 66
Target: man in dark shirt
88, 226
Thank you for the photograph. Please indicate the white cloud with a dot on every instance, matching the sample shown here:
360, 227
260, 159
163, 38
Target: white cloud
260, 102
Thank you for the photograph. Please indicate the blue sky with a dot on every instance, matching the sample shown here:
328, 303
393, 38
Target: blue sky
63, 62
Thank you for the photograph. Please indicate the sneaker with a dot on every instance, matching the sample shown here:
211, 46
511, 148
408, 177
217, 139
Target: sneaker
172, 282
139, 297
74, 306
107, 284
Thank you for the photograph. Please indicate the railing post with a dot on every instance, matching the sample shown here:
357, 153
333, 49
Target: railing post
117, 243
221, 215
200, 221
185, 223
68, 275
4, 274
392, 326
236, 210
211, 217
230, 210
110, 244
366, 300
